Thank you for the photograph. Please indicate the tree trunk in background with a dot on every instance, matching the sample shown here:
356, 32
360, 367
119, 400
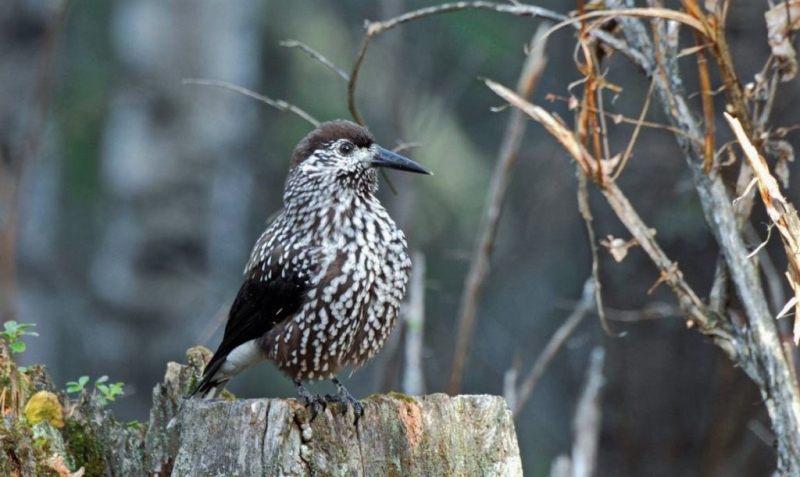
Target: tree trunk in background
30, 160
175, 164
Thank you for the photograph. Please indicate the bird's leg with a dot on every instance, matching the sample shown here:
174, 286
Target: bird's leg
344, 397
313, 400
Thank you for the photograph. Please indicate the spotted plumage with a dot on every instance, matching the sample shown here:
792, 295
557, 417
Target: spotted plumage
325, 280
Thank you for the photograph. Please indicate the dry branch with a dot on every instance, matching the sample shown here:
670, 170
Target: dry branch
374, 29
522, 394
317, 56
586, 424
759, 346
479, 265
278, 104
588, 418
780, 210
696, 311
588, 220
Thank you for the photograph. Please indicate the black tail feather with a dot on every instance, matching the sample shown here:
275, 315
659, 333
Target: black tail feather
208, 383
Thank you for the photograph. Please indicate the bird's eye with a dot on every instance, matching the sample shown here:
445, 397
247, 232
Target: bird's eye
346, 148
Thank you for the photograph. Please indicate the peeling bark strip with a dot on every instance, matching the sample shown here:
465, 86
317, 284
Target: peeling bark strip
398, 435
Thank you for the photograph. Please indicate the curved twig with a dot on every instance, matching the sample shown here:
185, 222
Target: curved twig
317, 56
275, 103
374, 29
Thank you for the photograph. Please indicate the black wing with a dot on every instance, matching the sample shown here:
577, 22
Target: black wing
258, 307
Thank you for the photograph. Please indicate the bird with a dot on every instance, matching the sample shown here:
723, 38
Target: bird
325, 280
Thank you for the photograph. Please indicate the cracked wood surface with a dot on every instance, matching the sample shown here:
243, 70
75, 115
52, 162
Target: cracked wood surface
398, 435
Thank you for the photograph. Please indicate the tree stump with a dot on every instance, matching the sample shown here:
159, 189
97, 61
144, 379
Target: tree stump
398, 435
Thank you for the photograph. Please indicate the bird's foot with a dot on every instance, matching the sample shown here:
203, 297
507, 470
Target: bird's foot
343, 397
314, 401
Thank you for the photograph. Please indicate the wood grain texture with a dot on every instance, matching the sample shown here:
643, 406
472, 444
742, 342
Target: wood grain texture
398, 435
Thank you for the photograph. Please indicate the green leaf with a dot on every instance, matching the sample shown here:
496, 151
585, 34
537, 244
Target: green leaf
83, 380
101, 379
17, 347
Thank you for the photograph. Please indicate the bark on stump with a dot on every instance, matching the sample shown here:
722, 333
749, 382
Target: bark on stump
398, 435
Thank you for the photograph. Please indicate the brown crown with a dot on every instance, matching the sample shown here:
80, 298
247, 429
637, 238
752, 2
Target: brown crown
327, 132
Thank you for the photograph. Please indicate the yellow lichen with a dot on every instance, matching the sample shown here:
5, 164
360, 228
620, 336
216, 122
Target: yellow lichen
44, 406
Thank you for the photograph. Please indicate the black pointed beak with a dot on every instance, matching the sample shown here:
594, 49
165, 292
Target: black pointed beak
391, 160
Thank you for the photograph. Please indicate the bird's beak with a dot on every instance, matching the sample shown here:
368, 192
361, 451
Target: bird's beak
391, 160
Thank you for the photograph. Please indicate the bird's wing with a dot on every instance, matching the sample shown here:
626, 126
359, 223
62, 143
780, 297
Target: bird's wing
268, 296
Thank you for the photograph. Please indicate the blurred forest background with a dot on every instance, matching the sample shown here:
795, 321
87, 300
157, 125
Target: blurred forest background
129, 203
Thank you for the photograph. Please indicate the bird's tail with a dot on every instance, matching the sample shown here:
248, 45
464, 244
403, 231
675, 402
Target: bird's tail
210, 387
212, 384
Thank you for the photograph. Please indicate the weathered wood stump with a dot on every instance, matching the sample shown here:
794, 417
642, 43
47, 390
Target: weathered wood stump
398, 435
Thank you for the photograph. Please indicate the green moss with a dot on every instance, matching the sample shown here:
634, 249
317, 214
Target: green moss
336, 408
22, 453
402, 397
83, 448
390, 395
135, 426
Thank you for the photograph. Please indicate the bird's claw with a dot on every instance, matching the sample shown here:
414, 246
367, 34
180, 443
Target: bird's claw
344, 398
314, 401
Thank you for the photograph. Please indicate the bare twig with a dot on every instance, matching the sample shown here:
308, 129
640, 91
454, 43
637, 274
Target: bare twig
619, 118
374, 29
588, 220
525, 390
413, 376
479, 265
705, 87
586, 424
275, 103
632, 142
317, 56
777, 295
588, 418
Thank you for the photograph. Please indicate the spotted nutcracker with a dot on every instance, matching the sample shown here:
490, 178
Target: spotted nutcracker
325, 280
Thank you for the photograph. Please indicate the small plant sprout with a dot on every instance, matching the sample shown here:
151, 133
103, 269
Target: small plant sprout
108, 392
103, 391
77, 386
13, 333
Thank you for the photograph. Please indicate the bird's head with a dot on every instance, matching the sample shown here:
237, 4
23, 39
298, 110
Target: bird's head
344, 153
